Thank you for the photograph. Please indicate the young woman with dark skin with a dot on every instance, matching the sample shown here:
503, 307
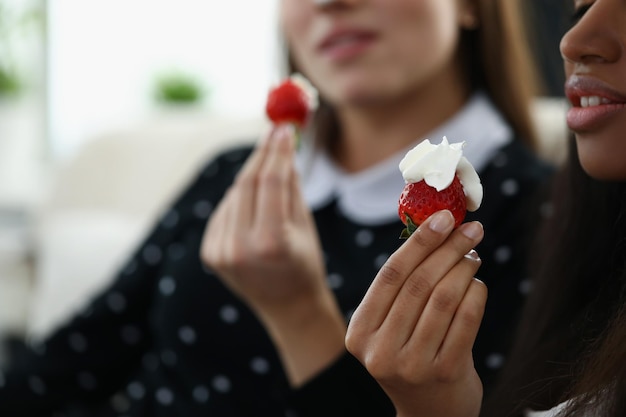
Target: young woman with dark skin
569, 357
237, 303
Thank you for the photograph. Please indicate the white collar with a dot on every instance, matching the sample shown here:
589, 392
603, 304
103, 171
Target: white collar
371, 195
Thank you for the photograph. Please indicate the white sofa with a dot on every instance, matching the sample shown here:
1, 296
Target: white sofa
107, 196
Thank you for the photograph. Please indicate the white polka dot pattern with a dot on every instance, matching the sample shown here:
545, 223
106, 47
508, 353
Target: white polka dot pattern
229, 314
221, 384
509, 187
120, 403
164, 396
170, 220
494, 361
260, 365
136, 390
116, 302
380, 260
202, 209
182, 285
200, 394
502, 254
187, 335
364, 238
335, 281
152, 254
167, 286
525, 286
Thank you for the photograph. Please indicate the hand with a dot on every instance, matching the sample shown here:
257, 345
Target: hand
415, 327
263, 243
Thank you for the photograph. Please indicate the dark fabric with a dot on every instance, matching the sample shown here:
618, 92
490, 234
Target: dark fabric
168, 339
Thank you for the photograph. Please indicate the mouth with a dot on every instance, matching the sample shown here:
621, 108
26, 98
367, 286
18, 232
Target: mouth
344, 44
584, 91
593, 102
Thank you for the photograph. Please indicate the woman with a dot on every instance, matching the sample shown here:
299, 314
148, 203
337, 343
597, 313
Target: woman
569, 355
256, 324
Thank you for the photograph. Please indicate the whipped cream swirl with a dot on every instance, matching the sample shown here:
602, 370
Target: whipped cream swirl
437, 165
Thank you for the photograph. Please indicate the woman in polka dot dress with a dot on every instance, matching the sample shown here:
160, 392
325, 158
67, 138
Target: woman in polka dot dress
255, 325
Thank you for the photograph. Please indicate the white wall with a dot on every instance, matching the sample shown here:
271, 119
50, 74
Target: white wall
104, 54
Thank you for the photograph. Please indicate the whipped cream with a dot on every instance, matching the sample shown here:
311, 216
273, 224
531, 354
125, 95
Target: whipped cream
306, 86
437, 164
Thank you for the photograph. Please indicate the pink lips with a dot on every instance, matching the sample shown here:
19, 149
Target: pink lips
346, 43
600, 103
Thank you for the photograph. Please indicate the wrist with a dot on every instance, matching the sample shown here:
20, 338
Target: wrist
309, 336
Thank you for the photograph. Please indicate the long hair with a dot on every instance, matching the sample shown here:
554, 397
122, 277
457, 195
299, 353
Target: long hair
495, 57
571, 343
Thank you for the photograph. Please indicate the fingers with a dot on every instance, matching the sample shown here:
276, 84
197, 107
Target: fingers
274, 191
213, 243
423, 284
260, 196
443, 306
467, 319
382, 294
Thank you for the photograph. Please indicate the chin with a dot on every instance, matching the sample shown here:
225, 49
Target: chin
601, 163
602, 170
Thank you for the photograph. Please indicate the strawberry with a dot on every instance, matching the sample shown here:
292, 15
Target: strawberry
288, 103
419, 200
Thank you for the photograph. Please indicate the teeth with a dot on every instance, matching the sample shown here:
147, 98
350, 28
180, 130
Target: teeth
588, 101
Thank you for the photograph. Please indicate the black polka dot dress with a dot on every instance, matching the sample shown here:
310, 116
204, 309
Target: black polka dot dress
167, 338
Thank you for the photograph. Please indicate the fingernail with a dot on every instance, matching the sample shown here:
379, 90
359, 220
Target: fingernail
285, 132
472, 255
441, 221
472, 230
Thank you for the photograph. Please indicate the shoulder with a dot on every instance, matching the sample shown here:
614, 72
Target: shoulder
216, 174
516, 182
518, 160
515, 170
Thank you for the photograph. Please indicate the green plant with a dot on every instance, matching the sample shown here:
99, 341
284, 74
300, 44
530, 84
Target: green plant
14, 24
9, 83
178, 87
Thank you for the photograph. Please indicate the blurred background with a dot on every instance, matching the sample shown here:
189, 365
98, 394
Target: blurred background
107, 107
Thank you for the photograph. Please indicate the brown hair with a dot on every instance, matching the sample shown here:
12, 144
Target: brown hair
496, 58
571, 342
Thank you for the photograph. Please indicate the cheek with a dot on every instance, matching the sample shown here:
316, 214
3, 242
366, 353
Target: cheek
294, 21
426, 32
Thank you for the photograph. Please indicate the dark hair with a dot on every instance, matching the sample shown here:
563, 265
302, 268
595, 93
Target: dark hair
496, 58
571, 343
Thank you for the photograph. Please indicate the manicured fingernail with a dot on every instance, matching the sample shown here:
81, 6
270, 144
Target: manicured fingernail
472, 255
285, 131
441, 221
472, 230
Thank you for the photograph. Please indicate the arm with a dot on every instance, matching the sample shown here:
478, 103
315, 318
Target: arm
92, 353
263, 244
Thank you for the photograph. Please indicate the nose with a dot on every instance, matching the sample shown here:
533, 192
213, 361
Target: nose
596, 37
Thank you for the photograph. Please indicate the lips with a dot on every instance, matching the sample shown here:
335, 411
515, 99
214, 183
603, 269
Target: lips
593, 102
346, 43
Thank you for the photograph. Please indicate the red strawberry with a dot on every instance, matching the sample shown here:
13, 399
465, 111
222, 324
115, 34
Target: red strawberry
419, 200
288, 103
